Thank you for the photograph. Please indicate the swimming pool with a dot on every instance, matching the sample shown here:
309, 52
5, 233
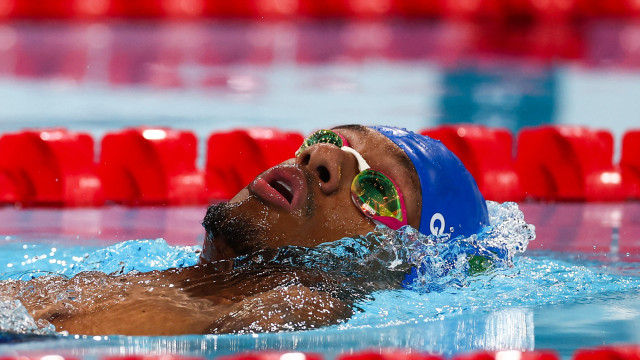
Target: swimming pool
269, 74
558, 295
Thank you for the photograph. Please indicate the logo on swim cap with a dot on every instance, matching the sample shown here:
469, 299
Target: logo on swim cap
437, 230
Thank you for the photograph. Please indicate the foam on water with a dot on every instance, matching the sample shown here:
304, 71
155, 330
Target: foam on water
446, 285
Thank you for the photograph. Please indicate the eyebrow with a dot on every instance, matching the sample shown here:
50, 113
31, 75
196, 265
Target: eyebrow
355, 127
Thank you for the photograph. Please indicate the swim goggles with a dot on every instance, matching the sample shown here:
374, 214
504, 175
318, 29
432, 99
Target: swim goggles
373, 192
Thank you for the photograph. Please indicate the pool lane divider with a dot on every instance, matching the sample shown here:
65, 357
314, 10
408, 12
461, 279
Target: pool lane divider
487, 154
615, 352
150, 166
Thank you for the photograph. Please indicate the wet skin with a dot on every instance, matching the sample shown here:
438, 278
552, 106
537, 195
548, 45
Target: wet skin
312, 207
327, 213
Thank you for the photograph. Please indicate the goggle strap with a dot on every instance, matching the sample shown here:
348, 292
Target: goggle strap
344, 141
362, 163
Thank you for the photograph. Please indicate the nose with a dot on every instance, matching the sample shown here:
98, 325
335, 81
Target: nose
326, 162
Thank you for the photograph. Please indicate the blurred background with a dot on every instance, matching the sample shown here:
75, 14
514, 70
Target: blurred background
204, 65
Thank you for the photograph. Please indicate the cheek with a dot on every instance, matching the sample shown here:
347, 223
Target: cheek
340, 218
332, 218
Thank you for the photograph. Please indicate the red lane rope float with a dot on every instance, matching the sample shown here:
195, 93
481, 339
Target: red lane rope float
568, 163
623, 353
618, 352
236, 157
389, 354
615, 352
509, 355
630, 163
49, 167
150, 166
157, 166
272, 355
143, 357
487, 154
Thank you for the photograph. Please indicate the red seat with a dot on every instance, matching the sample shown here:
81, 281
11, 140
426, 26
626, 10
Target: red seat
349, 8
568, 163
151, 166
550, 11
257, 9
630, 163
236, 157
473, 10
487, 154
49, 167
610, 8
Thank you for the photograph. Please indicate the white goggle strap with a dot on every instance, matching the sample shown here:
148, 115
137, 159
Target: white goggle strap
362, 163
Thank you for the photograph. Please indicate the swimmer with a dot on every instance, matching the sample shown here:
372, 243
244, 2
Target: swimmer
341, 183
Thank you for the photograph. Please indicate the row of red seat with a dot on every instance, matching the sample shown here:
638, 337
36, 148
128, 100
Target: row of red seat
154, 166
259, 9
618, 352
122, 54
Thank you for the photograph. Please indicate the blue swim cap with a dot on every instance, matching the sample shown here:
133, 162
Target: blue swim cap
451, 201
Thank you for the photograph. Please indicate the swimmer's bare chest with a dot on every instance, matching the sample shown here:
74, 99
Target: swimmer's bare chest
187, 301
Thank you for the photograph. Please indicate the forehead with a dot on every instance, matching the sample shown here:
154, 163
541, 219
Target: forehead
369, 141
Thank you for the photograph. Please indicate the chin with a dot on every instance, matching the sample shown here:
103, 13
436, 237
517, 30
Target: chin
216, 249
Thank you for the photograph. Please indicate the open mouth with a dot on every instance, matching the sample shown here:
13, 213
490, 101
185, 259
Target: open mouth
283, 186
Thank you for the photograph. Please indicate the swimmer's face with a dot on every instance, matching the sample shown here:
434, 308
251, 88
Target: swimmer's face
306, 201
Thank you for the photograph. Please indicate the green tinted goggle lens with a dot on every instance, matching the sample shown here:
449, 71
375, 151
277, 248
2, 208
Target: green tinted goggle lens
376, 195
321, 136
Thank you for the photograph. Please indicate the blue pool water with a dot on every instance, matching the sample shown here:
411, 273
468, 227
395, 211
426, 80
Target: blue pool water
539, 300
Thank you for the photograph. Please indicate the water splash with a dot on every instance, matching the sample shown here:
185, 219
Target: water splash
124, 257
443, 261
25, 262
14, 318
435, 262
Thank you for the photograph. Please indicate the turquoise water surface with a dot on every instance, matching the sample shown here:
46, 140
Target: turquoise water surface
535, 300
